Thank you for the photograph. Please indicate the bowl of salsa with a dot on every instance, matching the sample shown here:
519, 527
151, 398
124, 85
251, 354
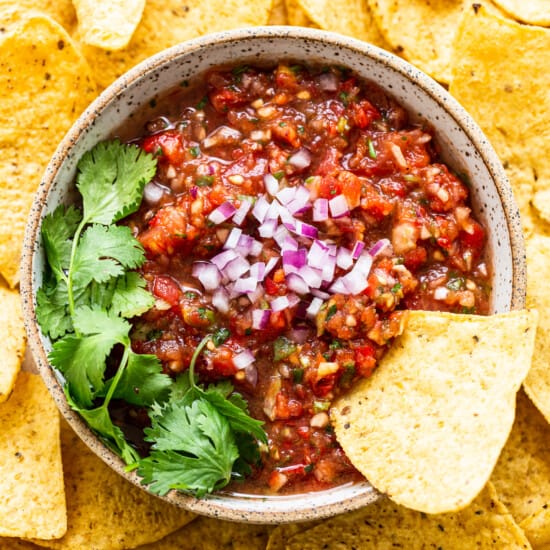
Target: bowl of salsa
231, 236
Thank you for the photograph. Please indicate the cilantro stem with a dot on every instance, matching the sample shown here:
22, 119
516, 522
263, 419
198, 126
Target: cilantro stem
198, 351
70, 295
116, 377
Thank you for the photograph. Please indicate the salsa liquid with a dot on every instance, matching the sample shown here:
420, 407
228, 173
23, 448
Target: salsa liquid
381, 226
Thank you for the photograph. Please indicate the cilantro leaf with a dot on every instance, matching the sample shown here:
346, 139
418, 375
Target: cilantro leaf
57, 231
99, 420
194, 449
130, 297
142, 381
88, 320
111, 178
104, 252
52, 311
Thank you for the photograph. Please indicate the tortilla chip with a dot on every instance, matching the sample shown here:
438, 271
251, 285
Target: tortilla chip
498, 75
537, 528
61, 11
17, 544
12, 336
167, 22
534, 12
36, 57
104, 511
214, 534
279, 537
349, 17
522, 473
32, 499
277, 14
108, 24
297, 16
421, 31
485, 524
427, 428
537, 383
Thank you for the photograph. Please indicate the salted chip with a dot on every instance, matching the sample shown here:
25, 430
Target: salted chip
32, 498
485, 524
16, 544
421, 31
497, 77
165, 23
534, 12
214, 534
297, 16
36, 57
105, 511
277, 14
108, 24
280, 536
427, 428
61, 11
12, 335
537, 528
537, 383
349, 17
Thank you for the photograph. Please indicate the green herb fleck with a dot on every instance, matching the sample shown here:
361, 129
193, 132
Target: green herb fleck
204, 181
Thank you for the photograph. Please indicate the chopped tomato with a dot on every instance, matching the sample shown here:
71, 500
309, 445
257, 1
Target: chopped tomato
167, 147
365, 360
166, 289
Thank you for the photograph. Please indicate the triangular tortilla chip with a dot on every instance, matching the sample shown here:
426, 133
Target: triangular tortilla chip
427, 428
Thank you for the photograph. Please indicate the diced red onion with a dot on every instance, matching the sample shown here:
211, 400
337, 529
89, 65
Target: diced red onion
280, 303
314, 307
194, 191
320, 293
355, 282
152, 193
300, 334
208, 274
289, 244
256, 248
223, 258
379, 247
271, 184
243, 359
295, 258
271, 263
260, 208
211, 169
257, 271
233, 238
281, 233
220, 300
343, 258
317, 255
363, 264
328, 269
222, 213
295, 283
339, 287
301, 159
245, 285
251, 375
256, 295
328, 82
260, 318
267, 229
237, 267
297, 207
320, 210
293, 300
304, 229
241, 212
338, 206
357, 249
244, 244
275, 210
313, 277
286, 195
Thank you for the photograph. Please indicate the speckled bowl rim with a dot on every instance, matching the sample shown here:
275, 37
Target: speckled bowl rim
245, 507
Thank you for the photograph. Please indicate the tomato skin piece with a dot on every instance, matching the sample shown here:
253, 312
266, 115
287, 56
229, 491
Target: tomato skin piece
474, 240
365, 360
166, 289
168, 144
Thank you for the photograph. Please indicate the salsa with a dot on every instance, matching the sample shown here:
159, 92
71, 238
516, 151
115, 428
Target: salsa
299, 211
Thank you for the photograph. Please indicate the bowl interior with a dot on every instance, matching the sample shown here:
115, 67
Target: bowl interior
464, 146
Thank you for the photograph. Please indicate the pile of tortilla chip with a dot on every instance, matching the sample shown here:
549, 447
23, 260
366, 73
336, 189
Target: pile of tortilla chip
413, 425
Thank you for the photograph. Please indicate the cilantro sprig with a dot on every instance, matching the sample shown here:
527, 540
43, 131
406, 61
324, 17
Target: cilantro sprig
200, 437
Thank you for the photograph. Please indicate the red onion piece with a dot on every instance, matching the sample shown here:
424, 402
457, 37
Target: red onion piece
194, 191
280, 303
357, 249
295, 258
271, 184
300, 334
152, 193
245, 285
317, 255
320, 210
313, 277
295, 283
379, 247
260, 208
233, 238
260, 318
271, 263
286, 195
223, 258
320, 294
301, 159
289, 244
251, 375
222, 213
281, 233
296, 207
243, 359
267, 229
338, 206
241, 212
220, 300
208, 274
314, 307
234, 269
343, 258
328, 82
257, 271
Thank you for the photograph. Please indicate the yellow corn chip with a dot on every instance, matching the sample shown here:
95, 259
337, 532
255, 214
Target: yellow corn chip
104, 511
537, 528
277, 14
297, 16
32, 498
485, 524
280, 536
499, 75
427, 428
16, 544
167, 22
36, 57
349, 17
214, 534
108, 24
13, 340
535, 12
421, 31
61, 11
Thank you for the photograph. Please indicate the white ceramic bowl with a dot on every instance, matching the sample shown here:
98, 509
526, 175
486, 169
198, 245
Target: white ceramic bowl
465, 149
